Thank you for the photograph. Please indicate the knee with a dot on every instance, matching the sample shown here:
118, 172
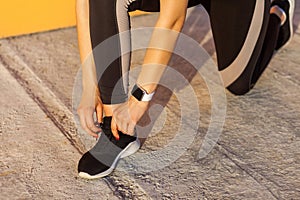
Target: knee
242, 85
239, 89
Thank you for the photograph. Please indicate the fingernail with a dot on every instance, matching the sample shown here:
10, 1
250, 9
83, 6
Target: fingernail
118, 138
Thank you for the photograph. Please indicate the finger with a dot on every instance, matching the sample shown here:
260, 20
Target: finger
130, 130
82, 120
120, 126
99, 113
114, 129
84, 126
90, 123
124, 128
90, 132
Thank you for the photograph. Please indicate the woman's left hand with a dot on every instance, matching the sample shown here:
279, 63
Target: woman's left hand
126, 116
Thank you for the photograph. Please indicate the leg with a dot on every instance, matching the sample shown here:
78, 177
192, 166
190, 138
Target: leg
268, 48
286, 29
279, 33
252, 36
109, 18
239, 29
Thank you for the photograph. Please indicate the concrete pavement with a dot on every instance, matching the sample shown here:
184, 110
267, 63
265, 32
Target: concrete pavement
37, 161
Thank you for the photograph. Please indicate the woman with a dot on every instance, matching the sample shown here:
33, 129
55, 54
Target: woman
246, 35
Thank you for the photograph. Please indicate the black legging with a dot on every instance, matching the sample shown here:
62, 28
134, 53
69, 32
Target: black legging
244, 32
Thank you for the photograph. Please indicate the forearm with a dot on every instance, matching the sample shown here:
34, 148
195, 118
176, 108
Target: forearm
83, 31
162, 43
89, 79
156, 58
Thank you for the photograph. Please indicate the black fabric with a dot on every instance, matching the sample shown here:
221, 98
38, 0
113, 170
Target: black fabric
154, 5
230, 22
284, 32
103, 25
268, 48
103, 154
90, 165
124, 138
244, 83
137, 92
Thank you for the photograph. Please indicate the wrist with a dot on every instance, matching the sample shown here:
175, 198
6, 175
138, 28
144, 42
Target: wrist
90, 88
141, 94
137, 103
149, 88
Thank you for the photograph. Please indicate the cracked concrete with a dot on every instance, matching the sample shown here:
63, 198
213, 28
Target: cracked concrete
37, 161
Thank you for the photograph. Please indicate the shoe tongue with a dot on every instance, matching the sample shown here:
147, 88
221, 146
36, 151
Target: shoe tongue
106, 122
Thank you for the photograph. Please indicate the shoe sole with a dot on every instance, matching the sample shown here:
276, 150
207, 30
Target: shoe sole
129, 150
291, 15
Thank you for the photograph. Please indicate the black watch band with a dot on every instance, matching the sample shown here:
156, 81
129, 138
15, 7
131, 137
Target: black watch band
141, 94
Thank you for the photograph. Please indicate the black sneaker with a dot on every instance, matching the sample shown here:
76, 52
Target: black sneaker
286, 30
102, 159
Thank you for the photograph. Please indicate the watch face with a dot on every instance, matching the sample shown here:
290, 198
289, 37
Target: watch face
141, 94
137, 93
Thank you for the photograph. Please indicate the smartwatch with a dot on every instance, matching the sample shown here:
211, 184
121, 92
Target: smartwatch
140, 94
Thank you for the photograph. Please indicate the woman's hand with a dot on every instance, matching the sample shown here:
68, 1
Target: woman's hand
126, 116
90, 102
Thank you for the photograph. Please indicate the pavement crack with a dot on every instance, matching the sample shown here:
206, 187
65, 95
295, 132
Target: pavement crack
42, 95
233, 157
252, 173
126, 187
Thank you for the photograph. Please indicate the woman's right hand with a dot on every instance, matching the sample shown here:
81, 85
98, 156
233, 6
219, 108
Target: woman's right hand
90, 102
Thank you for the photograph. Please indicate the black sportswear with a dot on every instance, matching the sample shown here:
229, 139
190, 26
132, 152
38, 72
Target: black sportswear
246, 36
286, 30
